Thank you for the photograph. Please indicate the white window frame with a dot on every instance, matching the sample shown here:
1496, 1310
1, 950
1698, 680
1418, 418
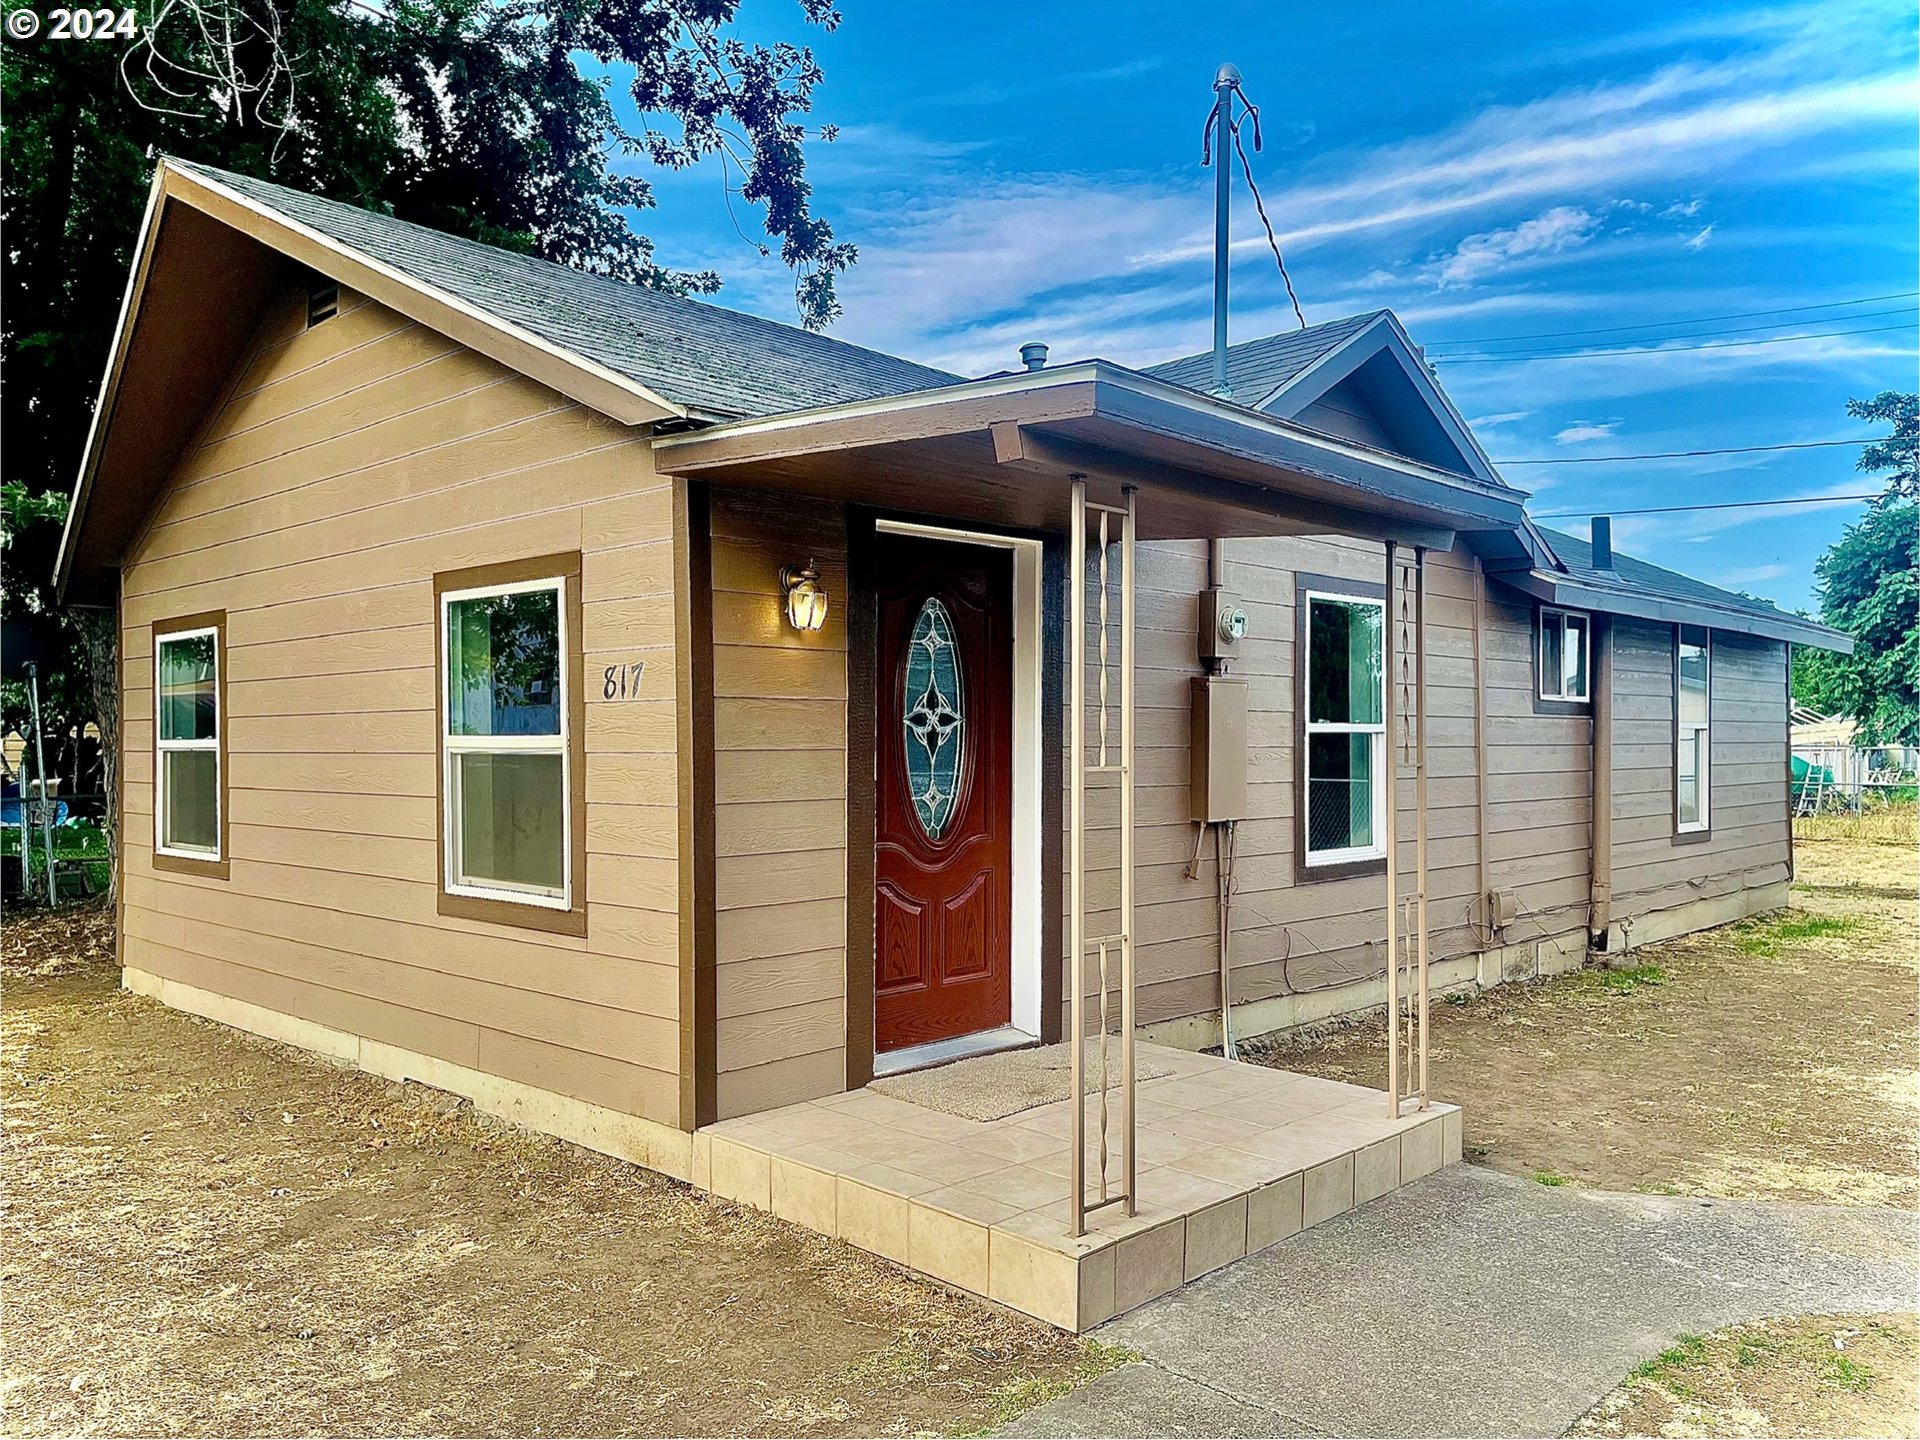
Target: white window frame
1685, 730
162, 747
1310, 728
560, 743
1550, 615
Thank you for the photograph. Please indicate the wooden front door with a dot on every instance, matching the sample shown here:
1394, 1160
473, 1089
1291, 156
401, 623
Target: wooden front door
943, 811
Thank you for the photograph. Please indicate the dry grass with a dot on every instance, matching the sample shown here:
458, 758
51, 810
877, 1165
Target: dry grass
1812, 1376
209, 1234
1772, 1059
1879, 825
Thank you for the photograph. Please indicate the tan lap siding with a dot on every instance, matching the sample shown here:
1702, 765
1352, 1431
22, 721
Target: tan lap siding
780, 785
1539, 785
348, 464
1748, 842
1288, 936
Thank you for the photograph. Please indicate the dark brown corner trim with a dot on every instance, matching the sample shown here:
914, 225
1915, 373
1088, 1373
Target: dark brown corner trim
215, 620
1303, 581
572, 921
693, 647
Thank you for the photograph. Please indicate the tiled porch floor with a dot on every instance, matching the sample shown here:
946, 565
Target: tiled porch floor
1233, 1158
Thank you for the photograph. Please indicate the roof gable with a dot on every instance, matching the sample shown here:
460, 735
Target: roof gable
1360, 378
695, 356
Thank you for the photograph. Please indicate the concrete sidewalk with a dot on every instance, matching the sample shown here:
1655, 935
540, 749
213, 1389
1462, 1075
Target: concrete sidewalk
1474, 1303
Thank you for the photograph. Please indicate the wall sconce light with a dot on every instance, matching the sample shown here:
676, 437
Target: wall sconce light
806, 598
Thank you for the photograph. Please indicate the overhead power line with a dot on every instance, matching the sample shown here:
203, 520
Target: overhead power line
1694, 454
1590, 354
1695, 320
1742, 329
1729, 505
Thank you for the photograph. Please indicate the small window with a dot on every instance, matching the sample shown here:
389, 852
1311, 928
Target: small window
1564, 655
188, 808
1693, 707
507, 781
1346, 732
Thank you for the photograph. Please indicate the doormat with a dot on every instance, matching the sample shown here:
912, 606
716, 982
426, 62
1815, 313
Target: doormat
992, 1087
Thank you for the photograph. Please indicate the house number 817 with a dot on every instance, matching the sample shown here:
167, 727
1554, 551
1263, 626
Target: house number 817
622, 682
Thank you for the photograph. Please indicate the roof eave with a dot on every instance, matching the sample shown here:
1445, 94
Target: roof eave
1642, 604
109, 385
1117, 401
619, 396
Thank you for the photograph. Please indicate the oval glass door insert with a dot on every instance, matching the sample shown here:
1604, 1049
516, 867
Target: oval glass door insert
933, 719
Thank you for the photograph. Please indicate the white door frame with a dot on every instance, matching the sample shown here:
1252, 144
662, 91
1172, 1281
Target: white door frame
1028, 636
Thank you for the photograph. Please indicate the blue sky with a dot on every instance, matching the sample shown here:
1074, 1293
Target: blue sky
1018, 172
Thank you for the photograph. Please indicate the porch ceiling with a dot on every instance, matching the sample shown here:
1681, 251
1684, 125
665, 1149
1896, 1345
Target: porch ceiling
999, 451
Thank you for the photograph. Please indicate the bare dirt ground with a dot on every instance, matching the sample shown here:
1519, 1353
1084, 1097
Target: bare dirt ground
209, 1234
1817, 1375
1773, 1059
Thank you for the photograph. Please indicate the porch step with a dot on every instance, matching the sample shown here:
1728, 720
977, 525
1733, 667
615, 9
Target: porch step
1232, 1158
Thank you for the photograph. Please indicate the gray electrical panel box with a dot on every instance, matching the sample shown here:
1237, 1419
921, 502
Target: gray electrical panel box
1222, 624
1218, 750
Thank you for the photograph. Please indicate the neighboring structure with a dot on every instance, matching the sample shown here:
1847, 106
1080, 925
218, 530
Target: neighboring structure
638, 716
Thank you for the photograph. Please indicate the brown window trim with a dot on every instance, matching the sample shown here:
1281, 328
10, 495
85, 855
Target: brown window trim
215, 620
1705, 833
571, 921
1303, 873
1542, 705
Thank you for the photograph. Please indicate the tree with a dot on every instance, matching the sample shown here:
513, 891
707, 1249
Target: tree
1900, 452
472, 116
1870, 588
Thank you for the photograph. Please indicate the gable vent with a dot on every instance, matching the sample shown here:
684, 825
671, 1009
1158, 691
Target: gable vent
323, 300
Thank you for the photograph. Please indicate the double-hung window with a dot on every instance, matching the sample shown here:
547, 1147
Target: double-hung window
1345, 730
188, 810
508, 760
1563, 655
1693, 705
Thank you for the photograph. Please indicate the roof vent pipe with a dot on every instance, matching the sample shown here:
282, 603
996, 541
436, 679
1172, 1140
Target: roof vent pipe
1603, 542
1033, 355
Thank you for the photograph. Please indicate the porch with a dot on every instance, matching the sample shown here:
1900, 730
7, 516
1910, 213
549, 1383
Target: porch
1231, 1158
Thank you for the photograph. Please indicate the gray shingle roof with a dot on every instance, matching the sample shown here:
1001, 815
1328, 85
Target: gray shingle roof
694, 354
1257, 368
1576, 555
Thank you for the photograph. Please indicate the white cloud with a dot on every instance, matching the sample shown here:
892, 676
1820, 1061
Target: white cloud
1504, 417
1480, 256
1581, 431
1682, 210
1699, 241
1749, 575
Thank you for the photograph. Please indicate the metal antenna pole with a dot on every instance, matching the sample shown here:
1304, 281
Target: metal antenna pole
1225, 84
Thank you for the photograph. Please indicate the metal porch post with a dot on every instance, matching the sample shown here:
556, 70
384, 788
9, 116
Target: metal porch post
1076, 846
1121, 940
1391, 780
1420, 800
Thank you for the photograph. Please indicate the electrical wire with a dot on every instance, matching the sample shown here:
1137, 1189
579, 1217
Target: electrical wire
1729, 505
1694, 320
1695, 454
1778, 325
1591, 354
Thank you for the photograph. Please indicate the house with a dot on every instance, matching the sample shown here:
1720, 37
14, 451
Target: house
656, 723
